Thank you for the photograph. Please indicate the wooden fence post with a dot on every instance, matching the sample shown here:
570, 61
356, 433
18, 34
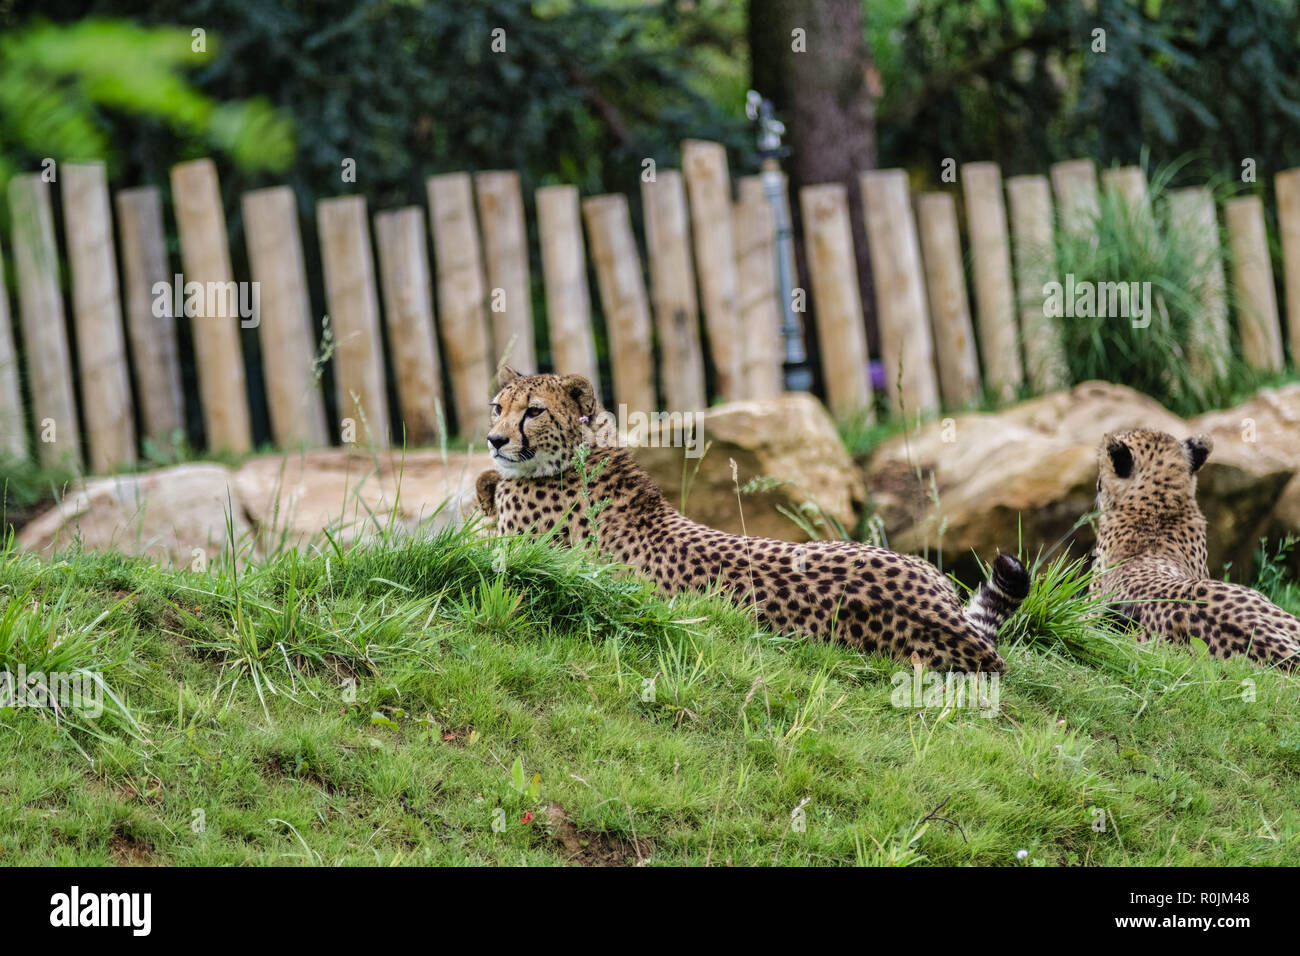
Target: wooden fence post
954, 337
672, 282
154, 351
906, 345
986, 220
408, 309
40, 308
1127, 182
1030, 199
833, 270
461, 301
1192, 217
1287, 185
13, 428
564, 269
505, 250
708, 184
97, 317
1075, 182
285, 317
1257, 319
762, 352
205, 258
622, 291
354, 318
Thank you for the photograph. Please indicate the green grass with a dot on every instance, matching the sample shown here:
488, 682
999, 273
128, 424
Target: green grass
387, 704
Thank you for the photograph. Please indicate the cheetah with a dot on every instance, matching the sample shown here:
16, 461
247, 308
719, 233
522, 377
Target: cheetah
866, 597
1150, 554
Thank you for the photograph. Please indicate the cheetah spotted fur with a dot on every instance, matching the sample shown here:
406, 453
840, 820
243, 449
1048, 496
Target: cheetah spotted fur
866, 597
1150, 554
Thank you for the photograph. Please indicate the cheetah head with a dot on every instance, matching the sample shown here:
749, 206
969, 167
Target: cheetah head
538, 421
1149, 470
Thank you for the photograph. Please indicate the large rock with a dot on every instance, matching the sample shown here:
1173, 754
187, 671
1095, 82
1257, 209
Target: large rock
354, 494
175, 515
179, 514
1023, 478
1265, 431
788, 443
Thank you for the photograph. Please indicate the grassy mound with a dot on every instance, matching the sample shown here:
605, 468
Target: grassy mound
461, 701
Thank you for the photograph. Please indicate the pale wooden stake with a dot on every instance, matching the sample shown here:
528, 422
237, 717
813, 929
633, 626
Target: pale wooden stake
40, 309
13, 429
564, 269
708, 184
1127, 182
505, 251
205, 258
622, 292
285, 325
986, 221
1075, 182
672, 283
408, 308
954, 336
906, 345
1030, 199
1193, 220
1287, 185
97, 317
154, 351
833, 270
354, 318
762, 348
1257, 318
462, 319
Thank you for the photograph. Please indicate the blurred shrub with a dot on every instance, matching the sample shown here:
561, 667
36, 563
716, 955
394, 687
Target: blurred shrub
69, 91
1166, 353
561, 91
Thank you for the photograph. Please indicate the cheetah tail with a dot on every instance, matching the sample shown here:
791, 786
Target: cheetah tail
999, 596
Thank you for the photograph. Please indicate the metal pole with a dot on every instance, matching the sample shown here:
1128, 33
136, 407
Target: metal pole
798, 376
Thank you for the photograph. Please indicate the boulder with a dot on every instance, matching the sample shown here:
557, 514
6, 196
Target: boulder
788, 455
175, 515
974, 484
1263, 431
290, 498
179, 514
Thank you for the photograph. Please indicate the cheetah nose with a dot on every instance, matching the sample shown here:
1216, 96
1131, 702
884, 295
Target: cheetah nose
496, 441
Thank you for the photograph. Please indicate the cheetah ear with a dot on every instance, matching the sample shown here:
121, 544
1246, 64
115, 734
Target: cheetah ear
1198, 449
1121, 458
506, 376
580, 390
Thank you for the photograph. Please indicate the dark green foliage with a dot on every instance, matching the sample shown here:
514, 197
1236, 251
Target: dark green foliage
582, 93
1017, 81
59, 84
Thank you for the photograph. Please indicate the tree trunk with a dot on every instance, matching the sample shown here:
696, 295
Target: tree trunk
824, 98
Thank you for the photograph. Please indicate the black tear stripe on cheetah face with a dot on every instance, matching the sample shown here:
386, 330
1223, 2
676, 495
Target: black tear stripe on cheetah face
866, 597
1151, 553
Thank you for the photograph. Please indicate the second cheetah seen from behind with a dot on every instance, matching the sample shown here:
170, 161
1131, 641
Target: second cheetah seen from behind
1150, 556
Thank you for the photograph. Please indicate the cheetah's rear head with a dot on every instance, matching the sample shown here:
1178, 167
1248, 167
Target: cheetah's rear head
538, 421
1149, 471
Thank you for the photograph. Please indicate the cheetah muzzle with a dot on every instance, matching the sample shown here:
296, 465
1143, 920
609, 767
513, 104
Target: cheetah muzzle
866, 597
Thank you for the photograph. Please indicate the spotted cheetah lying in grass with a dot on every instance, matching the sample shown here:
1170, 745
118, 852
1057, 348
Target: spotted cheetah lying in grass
1151, 553
866, 597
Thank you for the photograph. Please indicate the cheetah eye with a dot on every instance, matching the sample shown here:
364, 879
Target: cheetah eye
496, 409
533, 412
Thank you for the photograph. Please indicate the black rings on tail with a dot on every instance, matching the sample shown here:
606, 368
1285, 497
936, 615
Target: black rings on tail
999, 596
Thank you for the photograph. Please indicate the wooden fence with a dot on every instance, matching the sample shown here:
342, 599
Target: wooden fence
711, 271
